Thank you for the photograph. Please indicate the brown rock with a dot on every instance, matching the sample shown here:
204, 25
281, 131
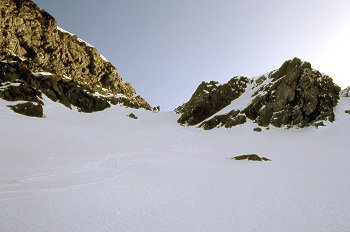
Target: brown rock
210, 98
298, 95
30, 35
28, 109
257, 129
252, 157
293, 95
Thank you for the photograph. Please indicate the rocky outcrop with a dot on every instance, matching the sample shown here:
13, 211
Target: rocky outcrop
209, 98
28, 109
297, 95
31, 41
17, 83
346, 92
293, 95
231, 119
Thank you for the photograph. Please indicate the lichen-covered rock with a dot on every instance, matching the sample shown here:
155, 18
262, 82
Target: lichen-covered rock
293, 95
30, 36
210, 98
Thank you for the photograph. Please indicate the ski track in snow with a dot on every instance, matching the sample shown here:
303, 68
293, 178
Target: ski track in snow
106, 172
110, 161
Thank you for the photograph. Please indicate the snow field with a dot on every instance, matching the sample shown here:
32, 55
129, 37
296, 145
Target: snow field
106, 172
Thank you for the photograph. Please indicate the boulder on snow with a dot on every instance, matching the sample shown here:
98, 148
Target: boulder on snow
252, 157
132, 115
257, 129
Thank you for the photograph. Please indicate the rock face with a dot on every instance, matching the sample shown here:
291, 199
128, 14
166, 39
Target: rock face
346, 92
231, 119
297, 95
31, 42
293, 95
18, 83
209, 98
28, 109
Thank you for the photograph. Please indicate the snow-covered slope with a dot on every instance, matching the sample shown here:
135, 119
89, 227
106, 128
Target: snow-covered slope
108, 172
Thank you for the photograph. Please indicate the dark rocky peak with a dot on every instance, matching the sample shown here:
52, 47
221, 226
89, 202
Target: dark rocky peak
293, 95
297, 95
346, 92
209, 98
31, 41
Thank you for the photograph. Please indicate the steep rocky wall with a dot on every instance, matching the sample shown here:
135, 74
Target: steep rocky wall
31, 34
346, 92
297, 95
293, 95
209, 98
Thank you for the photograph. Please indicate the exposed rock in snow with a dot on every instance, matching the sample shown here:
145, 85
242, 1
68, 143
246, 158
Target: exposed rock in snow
17, 83
29, 109
346, 92
293, 95
297, 96
209, 98
252, 157
231, 119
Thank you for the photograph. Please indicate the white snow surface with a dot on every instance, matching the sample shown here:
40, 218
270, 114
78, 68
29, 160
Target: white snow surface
83, 41
104, 171
42, 74
64, 31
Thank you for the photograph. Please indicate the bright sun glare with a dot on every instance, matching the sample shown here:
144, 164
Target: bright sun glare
334, 59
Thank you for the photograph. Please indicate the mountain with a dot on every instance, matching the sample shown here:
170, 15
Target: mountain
293, 95
38, 58
128, 169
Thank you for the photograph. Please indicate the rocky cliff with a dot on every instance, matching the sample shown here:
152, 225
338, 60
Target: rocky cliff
346, 92
209, 98
35, 54
293, 95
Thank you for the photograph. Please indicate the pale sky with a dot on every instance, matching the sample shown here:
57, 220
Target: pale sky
165, 49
